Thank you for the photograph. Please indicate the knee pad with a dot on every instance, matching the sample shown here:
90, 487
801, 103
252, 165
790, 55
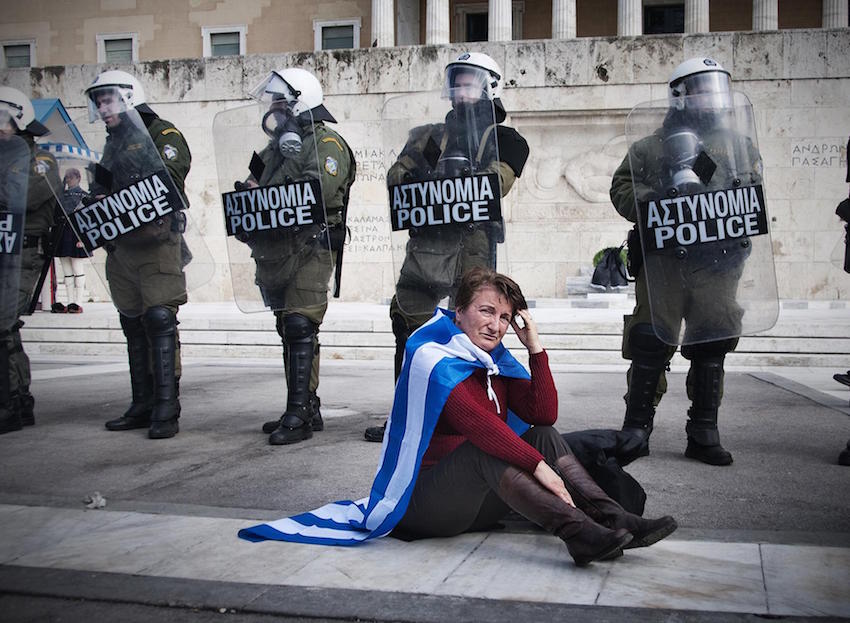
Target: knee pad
159, 320
297, 328
645, 345
132, 326
709, 350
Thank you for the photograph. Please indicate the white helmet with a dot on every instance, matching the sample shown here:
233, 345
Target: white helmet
15, 107
130, 92
298, 87
703, 77
486, 67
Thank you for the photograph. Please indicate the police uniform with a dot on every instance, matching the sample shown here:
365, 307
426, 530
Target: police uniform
144, 269
41, 205
293, 266
712, 292
437, 257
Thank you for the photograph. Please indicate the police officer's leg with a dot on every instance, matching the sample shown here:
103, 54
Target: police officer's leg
10, 417
31, 264
844, 456
705, 389
649, 357
295, 425
160, 325
138, 415
403, 324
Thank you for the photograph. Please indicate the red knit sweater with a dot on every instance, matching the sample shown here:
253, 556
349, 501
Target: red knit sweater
470, 415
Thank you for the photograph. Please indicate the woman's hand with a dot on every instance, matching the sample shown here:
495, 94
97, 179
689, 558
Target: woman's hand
547, 477
527, 334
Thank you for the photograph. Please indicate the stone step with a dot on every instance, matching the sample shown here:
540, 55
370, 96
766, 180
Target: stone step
819, 336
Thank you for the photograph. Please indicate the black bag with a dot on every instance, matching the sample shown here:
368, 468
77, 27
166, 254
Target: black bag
610, 272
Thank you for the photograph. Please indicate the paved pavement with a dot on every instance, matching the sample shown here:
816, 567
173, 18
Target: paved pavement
767, 536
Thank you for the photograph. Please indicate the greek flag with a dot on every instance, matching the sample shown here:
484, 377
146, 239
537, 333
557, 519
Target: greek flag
438, 356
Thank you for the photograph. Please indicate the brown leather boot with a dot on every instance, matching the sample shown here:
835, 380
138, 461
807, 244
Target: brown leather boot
586, 540
590, 497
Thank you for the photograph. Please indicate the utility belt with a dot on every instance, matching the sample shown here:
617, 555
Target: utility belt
30, 241
462, 229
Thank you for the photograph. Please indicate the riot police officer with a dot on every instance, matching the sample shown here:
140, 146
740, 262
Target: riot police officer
294, 265
35, 173
471, 138
144, 267
700, 100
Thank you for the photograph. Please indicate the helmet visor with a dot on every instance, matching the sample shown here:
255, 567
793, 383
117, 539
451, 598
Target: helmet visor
709, 90
106, 103
273, 88
465, 84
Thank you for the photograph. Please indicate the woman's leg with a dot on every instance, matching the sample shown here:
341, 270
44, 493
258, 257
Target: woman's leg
589, 496
457, 494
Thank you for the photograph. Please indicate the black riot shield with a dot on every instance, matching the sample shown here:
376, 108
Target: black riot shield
130, 215
14, 178
702, 217
444, 194
274, 216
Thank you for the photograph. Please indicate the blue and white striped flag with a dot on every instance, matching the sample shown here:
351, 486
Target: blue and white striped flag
438, 356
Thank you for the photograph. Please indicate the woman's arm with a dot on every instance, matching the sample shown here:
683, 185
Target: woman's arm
534, 401
470, 413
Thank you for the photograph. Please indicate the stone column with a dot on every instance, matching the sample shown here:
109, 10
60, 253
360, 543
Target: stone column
499, 20
383, 34
563, 19
629, 18
437, 22
696, 16
834, 13
765, 14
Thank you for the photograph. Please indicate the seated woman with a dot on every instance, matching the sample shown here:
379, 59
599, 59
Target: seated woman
452, 461
476, 468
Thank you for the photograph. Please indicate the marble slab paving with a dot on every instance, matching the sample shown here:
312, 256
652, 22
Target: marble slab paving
688, 575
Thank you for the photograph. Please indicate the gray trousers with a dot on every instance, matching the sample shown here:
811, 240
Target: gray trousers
460, 493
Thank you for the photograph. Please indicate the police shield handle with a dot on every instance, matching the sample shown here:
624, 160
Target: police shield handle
461, 200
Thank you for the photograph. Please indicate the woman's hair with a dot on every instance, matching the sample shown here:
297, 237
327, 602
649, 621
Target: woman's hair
476, 278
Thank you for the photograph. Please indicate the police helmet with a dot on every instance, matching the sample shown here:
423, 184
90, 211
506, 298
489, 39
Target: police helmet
484, 67
16, 109
700, 82
300, 90
129, 91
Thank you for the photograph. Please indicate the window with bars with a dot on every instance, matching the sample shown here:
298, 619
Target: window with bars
118, 50
336, 35
17, 55
224, 44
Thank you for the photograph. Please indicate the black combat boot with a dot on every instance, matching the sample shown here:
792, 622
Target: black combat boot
138, 415
703, 436
401, 332
10, 414
649, 359
161, 328
296, 424
640, 399
26, 403
591, 499
586, 540
844, 456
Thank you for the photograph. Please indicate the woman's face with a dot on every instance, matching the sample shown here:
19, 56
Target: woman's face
486, 319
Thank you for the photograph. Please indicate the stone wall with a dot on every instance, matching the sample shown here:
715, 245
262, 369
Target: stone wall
570, 99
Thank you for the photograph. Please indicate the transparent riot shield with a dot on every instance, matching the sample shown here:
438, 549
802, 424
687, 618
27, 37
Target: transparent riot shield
702, 217
272, 205
444, 194
14, 178
130, 215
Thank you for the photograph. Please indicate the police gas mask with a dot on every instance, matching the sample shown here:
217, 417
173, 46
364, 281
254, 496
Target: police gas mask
690, 167
282, 127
